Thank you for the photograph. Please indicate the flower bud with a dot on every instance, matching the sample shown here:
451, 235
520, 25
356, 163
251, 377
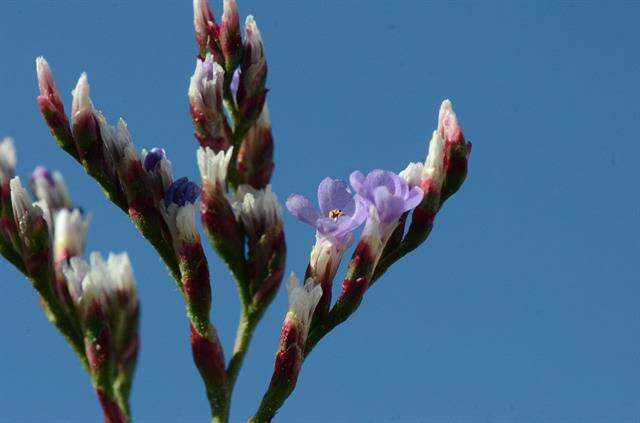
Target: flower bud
261, 218
50, 188
8, 160
52, 109
230, 40
456, 151
205, 27
302, 302
70, 233
255, 158
178, 210
158, 169
31, 223
251, 89
205, 102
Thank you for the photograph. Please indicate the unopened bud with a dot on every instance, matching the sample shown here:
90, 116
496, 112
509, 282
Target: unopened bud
50, 188
230, 39
251, 89
255, 158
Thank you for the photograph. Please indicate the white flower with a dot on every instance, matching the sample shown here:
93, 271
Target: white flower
412, 174
8, 159
258, 209
213, 166
206, 94
70, 233
302, 301
81, 101
100, 281
181, 221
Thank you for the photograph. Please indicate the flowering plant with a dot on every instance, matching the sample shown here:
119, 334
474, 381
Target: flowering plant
94, 304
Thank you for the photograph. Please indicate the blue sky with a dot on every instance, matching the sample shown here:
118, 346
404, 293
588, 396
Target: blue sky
524, 305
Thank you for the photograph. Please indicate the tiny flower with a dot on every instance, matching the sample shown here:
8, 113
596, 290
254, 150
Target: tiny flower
257, 209
213, 167
302, 303
156, 164
205, 101
434, 165
70, 233
387, 192
74, 272
178, 210
340, 212
51, 188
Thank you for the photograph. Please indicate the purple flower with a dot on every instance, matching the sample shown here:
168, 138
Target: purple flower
181, 192
387, 192
152, 158
340, 211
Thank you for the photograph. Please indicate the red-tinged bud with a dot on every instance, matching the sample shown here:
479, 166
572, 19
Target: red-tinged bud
218, 218
255, 158
206, 30
267, 261
206, 105
230, 39
209, 359
302, 302
252, 93
195, 284
52, 109
456, 151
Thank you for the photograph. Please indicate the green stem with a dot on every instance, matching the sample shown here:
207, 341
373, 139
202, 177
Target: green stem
248, 322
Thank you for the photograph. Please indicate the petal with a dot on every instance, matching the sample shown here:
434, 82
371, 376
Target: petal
378, 177
415, 197
302, 209
334, 194
357, 180
327, 226
389, 206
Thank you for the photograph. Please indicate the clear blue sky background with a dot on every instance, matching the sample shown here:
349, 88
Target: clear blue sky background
524, 305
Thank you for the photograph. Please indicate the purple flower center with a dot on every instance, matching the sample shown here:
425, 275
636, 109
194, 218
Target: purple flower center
181, 192
153, 157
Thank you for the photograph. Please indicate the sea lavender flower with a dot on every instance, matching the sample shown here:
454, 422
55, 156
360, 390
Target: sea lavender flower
51, 188
340, 212
388, 196
8, 160
456, 151
70, 233
178, 210
29, 217
205, 102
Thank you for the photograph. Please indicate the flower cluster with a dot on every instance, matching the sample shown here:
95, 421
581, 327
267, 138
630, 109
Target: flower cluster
95, 305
